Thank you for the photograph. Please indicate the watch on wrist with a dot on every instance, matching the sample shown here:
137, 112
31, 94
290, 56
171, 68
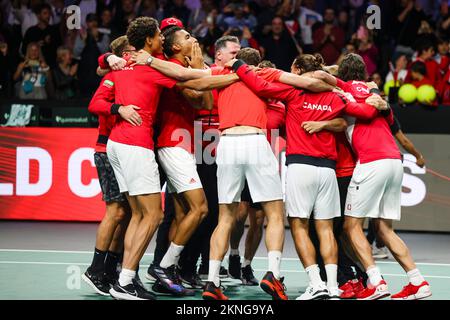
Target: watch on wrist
149, 61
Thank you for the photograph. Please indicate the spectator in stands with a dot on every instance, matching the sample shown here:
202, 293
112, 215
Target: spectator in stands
88, 46
425, 54
329, 39
443, 20
308, 18
106, 4
350, 47
408, 21
400, 63
201, 18
64, 75
367, 49
344, 23
86, 7
240, 19
211, 34
68, 36
418, 74
376, 77
46, 35
24, 13
444, 89
6, 71
32, 74
91, 36
443, 56
269, 10
245, 37
57, 10
148, 8
278, 46
125, 12
177, 9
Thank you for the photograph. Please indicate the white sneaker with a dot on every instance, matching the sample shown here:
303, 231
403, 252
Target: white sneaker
379, 253
319, 292
334, 293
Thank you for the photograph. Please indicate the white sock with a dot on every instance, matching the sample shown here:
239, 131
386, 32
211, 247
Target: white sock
415, 277
374, 275
313, 272
331, 270
172, 255
234, 252
246, 263
274, 262
126, 277
214, 272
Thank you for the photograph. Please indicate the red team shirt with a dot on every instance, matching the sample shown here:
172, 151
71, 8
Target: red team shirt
302, 106
371, 140
175, 112
140, 86
232, 98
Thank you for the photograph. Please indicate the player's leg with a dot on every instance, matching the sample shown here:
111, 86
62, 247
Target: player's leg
234, 259
252, 241
262, 174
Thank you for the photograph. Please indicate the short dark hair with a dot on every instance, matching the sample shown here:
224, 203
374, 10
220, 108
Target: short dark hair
42, 7
309, 62
266, 64
352, 67
250, 56
169, 39
140, 29
222, 42
419, 67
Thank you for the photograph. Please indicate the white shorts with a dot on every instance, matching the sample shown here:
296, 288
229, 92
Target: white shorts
375, 190
135, 168
247, 157
311, 189
180, 168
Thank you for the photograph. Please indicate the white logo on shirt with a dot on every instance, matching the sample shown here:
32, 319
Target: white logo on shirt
318, 107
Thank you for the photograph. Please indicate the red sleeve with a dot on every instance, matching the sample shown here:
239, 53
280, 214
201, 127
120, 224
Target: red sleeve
102, 61
270, 74
360, 110
279, 91
164, 80
390, 118
104, 96
342, 84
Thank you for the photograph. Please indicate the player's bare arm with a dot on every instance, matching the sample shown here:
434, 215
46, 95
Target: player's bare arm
210, 82
335, 125
168, 68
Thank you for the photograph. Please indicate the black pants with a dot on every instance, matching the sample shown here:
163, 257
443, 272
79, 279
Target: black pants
345, 264
199, 242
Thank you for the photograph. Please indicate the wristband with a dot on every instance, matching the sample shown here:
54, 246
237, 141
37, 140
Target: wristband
375, 90
239, 63
115, 108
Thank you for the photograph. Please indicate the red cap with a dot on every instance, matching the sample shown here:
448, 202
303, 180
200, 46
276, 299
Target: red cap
171, 22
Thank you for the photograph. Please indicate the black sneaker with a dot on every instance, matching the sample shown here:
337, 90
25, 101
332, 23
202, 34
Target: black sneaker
223, 273
97, 282
234, 266
203, 272
132, 291
151, 275
248, 278
138, 281
192, 281
170, 279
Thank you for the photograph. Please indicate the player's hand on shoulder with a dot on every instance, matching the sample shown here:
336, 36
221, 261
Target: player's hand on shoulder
130, 114
140, 57
371, 85
378, 102
115, 62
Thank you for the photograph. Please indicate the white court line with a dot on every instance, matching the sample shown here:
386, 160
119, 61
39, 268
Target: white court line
260, 270
255, 258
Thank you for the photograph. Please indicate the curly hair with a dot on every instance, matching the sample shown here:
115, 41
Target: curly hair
140, 29
309, 62
266, 64
352, 67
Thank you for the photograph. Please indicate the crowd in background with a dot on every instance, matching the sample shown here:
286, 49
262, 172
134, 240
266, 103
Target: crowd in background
41, 58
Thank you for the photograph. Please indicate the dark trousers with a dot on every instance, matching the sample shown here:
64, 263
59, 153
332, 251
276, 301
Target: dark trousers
199, 242
345, 264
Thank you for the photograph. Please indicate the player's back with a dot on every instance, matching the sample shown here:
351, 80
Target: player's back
313, 107
371, 139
